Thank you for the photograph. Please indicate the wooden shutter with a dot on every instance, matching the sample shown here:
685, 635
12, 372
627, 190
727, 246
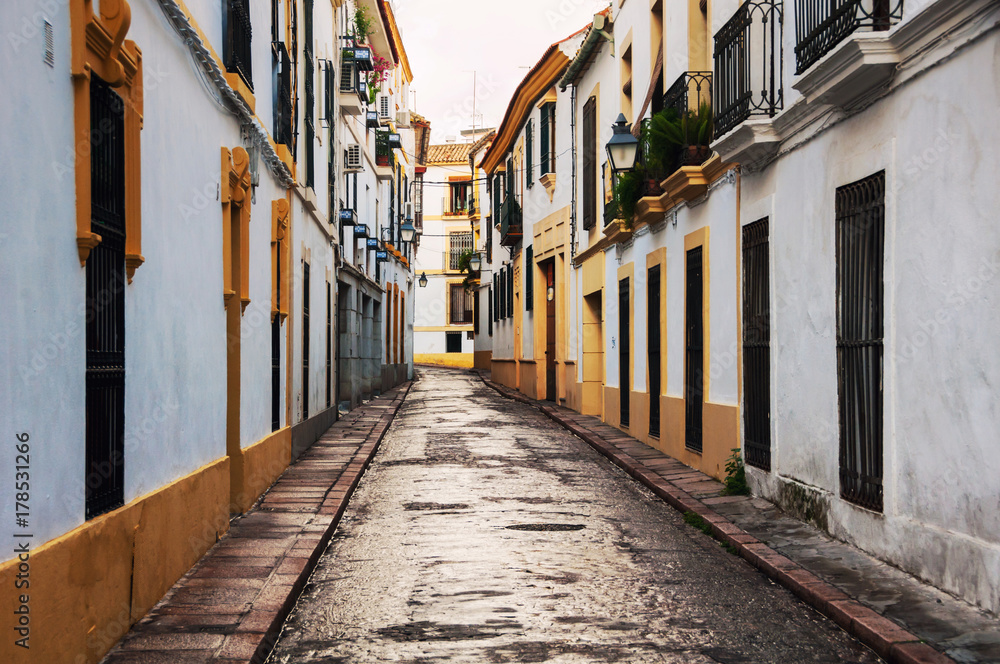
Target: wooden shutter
590, 163
529, 154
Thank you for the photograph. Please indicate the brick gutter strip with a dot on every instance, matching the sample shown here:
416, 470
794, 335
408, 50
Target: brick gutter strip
889, 641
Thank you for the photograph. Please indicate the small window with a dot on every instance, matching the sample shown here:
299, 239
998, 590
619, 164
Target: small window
459, 198
458, 244
453, 342
529, 279
547, 141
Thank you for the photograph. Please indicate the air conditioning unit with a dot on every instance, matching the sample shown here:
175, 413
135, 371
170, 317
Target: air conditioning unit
383, 107
352, 162
403, 118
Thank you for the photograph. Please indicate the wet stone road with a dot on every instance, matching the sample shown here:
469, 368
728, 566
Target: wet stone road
483, 532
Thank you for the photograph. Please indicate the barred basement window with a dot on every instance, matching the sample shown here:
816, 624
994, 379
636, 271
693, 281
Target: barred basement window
453, 342
105, 321
860, 212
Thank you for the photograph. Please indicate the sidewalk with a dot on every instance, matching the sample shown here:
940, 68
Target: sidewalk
232, 604
900, 618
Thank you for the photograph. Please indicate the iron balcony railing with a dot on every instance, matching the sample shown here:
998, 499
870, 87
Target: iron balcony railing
653, 171
822, 24
383, 153
510, 222
238, 40
748, 65
690, 97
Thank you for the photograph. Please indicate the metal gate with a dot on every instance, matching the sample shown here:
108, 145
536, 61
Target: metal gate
105, 322
624, 358
756, 346
694, 383
860, 209
653, 346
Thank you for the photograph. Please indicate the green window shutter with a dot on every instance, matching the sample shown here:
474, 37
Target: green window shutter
529, 279
510, 290
529, 154
509, 178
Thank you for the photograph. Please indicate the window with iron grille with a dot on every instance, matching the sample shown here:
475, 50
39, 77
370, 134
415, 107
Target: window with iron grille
510, 290
237, 42
498, 193
310, 111
453, 342
276, 350
475, 312
653, 346
860, 237
305, 340
547, 135
461, 305
529, 150
756, 346
329, 344
529, 279
495, 299
694, 367
105, 305
590, 163
624, 352
458, 244
284, 132
492, 310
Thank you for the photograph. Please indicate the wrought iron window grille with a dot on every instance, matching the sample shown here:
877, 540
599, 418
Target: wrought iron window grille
238, 40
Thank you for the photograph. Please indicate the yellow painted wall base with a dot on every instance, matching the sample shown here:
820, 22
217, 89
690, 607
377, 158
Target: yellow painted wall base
90, 585
531, 382
262, 463
465, 360
720, 434
504, 372
483, 359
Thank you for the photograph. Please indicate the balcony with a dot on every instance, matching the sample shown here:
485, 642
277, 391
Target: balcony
361, 56
353, 87
385, 158
748, 57
510, 223
820, 25
690, 99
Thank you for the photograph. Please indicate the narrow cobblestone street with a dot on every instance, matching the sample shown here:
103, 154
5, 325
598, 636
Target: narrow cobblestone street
484, 532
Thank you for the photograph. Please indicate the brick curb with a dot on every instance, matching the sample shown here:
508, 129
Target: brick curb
890, 641
250, 638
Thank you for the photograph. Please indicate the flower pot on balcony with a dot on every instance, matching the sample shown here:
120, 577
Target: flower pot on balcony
696, 155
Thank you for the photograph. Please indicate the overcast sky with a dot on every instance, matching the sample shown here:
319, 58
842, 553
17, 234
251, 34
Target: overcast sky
447, 39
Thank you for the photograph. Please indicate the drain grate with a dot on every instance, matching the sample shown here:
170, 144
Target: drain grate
546, 526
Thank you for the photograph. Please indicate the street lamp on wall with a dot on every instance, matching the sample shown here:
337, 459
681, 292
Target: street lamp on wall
623, 146
475, 262
422, 280
407, 231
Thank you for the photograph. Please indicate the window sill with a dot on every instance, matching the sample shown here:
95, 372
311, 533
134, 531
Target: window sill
242, 90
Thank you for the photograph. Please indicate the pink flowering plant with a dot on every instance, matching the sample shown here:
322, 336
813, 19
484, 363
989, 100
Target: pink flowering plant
378, 76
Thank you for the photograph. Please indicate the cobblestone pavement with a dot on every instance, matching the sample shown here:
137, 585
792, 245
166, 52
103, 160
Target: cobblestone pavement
484, 532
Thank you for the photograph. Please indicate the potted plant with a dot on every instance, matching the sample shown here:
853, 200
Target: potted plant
363, 25
678, 140
626, 193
